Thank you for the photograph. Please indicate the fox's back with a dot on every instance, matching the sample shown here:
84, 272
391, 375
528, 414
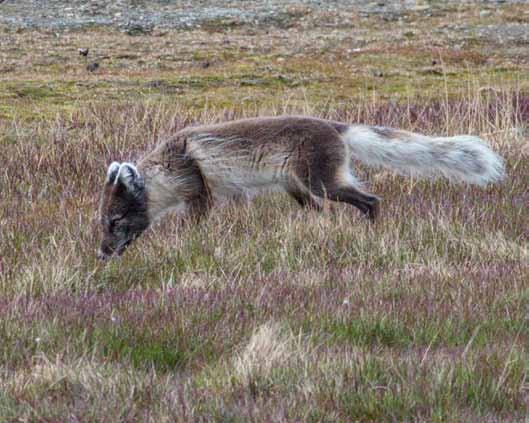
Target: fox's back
277, 129
252, 154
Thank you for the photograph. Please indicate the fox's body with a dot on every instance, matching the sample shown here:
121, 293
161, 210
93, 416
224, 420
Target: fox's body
310, 159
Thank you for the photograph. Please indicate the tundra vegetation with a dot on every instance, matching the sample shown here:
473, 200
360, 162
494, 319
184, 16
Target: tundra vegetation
265, 311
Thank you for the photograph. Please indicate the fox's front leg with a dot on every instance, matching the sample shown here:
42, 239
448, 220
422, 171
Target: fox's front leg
197, 208
302, 195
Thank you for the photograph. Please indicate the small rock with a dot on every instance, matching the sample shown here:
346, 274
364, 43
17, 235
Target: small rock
484, 13
136, 29
421, 7
155, 84
92, 67
390, 17
431, 71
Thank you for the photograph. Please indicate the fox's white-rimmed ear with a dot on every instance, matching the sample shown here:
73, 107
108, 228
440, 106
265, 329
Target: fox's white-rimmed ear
129, 176
112, 172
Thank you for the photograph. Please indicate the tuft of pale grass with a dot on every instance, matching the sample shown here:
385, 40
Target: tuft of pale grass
49, 273
269, 348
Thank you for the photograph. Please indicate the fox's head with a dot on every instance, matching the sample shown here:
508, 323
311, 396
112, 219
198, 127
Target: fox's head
123, 210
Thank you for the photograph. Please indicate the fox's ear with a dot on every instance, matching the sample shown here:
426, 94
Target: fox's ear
129, 176
112, 172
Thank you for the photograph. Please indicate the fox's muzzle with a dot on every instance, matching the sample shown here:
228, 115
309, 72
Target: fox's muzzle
106, 251
102, 256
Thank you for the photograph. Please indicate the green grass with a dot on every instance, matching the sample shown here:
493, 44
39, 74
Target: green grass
141, 351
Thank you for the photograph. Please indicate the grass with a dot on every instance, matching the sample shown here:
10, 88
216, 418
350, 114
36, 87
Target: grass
422, 315
264, 312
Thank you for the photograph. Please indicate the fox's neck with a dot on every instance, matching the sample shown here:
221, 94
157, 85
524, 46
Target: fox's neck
162, 191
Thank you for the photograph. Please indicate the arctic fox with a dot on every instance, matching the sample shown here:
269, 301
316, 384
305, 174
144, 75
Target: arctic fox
309, 158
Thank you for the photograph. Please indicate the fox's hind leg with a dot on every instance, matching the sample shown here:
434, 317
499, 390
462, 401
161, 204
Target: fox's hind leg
367, 203
345, 188
326, 173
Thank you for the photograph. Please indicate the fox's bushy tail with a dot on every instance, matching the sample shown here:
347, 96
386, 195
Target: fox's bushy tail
462, 158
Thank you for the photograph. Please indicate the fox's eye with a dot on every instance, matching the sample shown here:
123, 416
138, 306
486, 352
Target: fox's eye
112, 223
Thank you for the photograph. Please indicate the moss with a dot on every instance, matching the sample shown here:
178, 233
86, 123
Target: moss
377, 332
33, 92
8, 138
142, 352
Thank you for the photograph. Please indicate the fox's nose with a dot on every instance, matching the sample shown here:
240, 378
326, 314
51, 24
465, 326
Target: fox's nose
101, 255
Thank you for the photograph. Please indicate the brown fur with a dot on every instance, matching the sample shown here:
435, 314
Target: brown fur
314, 153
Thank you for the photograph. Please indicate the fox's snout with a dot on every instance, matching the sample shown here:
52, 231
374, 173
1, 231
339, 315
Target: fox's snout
109, 250
105, 252
101, 255
104, 256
